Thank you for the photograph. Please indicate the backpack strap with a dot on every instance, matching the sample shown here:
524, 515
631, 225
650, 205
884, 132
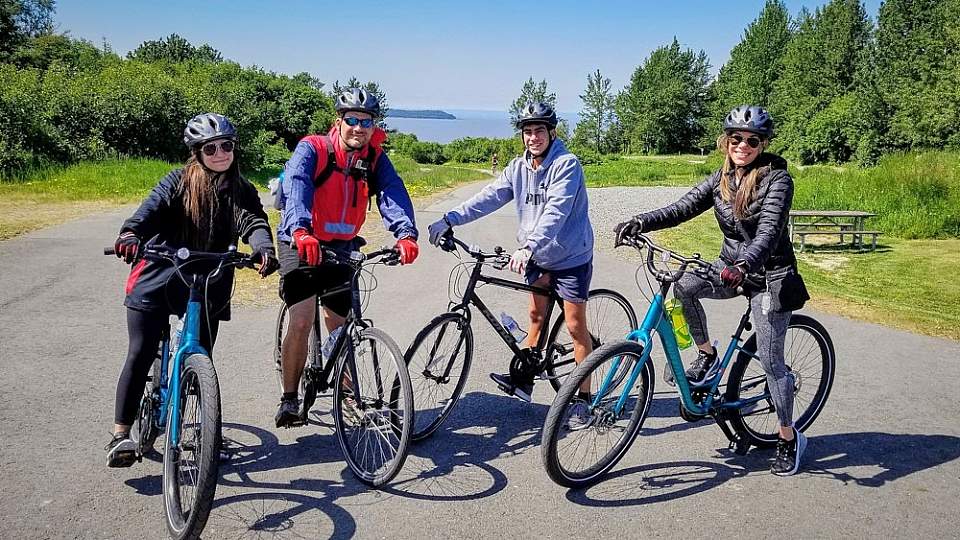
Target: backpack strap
326, 158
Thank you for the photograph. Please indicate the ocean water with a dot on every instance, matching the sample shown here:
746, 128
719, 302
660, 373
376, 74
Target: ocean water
469, 123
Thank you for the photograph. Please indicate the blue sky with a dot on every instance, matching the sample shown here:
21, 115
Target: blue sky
458, 55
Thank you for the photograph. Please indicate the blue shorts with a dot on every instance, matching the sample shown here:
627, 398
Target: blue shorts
572, 284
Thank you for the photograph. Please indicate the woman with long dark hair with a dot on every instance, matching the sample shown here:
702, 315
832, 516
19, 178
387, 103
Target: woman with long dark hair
751, 197
207, 206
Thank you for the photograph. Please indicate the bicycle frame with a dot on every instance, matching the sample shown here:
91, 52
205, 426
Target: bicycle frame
656, 320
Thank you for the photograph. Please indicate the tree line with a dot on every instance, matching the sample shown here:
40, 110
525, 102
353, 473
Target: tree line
840, 86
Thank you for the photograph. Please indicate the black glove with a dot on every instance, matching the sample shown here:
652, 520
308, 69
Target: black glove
267, 260
732, 276
627, 229
127, 246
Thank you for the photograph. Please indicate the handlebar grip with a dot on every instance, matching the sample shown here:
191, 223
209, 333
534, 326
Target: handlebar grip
109, 251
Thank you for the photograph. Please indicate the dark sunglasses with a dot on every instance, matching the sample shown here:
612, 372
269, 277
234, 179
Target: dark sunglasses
353, 121
736, 139
210, 149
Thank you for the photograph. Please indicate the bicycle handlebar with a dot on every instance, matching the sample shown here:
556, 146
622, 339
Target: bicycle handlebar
386, 255
230, 257
704, 269
499, 256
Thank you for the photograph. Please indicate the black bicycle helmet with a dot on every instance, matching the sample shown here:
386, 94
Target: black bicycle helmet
357, 99
749, 118
536, 113
206, 127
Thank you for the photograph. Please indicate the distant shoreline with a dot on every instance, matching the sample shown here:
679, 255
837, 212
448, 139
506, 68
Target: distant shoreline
430, 114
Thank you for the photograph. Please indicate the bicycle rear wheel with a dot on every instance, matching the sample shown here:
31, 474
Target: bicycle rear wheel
609, 317
373, 427
809, 356
438, 360
190, 465
582, 442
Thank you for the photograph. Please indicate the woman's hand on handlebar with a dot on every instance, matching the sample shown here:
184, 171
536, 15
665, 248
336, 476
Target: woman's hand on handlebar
127, 247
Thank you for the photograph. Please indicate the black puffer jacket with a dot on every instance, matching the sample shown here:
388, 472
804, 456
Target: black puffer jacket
765, 246
152, 286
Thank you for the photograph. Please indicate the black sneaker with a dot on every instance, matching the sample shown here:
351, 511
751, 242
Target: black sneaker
523, 391
121, 450
787, 460
703, 369
288, 413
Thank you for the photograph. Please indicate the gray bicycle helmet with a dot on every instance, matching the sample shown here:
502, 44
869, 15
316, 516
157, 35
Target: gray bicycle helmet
206, 127
536, 113
357, 99
749, 118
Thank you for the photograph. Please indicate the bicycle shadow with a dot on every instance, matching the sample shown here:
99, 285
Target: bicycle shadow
898, 455
254, 451
453, 464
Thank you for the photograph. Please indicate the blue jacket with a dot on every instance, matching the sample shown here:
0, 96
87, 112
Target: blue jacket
552, 205
393, 201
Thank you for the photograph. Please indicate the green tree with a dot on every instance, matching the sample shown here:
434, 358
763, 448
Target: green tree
371, 86
533, 92
663, 107
820, 65
174, 48
21, 20
754, 66
597, 114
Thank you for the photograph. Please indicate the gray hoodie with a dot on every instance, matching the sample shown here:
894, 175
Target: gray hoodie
552, 205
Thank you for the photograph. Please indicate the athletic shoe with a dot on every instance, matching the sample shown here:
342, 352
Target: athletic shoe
523, 391
703, 369
288, 413
580, 417
121, 450
787, 460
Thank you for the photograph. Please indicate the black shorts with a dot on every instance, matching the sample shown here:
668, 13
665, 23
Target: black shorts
299, 281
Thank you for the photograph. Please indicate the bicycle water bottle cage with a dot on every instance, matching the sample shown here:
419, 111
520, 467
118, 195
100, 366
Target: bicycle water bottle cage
525, 366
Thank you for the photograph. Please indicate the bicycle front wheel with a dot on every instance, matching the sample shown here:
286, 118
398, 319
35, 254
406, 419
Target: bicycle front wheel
582, 440
190, 464
809, 356
373, 426
438, 361
609, 318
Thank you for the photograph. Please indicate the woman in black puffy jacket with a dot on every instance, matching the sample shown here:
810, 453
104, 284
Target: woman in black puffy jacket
207, 206
750, 197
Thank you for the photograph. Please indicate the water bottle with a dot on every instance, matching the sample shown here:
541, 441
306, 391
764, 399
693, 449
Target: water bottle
330, 342
175, 336
511, 325
680, 329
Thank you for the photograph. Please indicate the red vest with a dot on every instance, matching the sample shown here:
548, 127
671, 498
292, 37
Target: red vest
340, 193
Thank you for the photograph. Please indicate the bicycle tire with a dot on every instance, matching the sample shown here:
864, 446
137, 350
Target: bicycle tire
808, 348
373, 421
279, 334
197, 450
558, 436
604, 327
447, 336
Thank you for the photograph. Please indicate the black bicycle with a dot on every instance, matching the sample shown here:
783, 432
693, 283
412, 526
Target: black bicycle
372, 395
439, 357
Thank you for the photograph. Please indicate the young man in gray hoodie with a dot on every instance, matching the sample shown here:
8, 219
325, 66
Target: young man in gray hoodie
555, 236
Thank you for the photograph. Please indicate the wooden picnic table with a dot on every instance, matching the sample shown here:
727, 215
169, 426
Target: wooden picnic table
831, 222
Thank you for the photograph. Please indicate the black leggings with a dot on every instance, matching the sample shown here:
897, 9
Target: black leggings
145, 329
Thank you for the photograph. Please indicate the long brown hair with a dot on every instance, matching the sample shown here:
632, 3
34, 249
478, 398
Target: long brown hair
201, 203
747, 186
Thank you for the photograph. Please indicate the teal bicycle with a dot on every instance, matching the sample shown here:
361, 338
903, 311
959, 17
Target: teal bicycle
583, 440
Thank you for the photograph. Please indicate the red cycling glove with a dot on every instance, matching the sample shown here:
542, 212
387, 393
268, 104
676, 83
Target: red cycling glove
308, 247
408, 250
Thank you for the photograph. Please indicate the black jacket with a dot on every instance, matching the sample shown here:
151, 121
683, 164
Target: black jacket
760, 239
153, 286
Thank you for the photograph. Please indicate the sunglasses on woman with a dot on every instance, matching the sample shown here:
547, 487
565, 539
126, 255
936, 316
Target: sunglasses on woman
210, 149
353, 121
752, 141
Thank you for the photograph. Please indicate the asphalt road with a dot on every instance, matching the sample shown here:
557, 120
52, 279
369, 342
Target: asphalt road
881, 460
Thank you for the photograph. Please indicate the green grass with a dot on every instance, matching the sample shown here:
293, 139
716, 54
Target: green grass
682, 170
914, 195
907, 284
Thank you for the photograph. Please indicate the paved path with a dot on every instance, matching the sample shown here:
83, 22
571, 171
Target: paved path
882, 459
